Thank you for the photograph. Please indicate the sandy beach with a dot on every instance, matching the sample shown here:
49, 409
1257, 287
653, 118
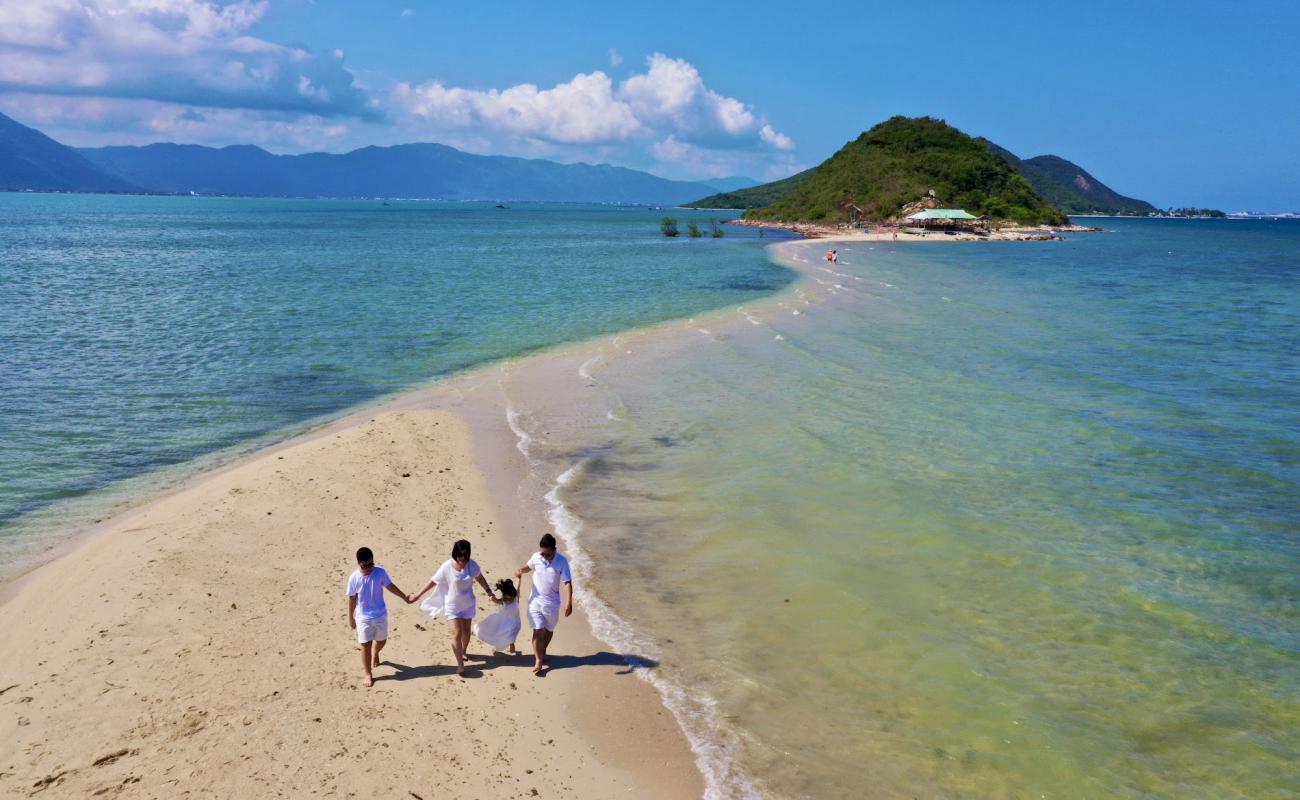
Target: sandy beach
197, 642
198, 645
841, 233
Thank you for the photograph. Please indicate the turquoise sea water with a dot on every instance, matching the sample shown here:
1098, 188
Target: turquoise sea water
1014, 520
986, 520
140, 332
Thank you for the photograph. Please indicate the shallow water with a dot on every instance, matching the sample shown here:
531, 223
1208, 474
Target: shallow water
1012, 520
986, 520
143, 332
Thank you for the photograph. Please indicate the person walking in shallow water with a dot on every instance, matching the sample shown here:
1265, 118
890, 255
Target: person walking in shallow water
454, 597
550, 570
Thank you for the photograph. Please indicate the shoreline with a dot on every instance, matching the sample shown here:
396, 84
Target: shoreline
162, 681
631, 740
809, 230
502, 471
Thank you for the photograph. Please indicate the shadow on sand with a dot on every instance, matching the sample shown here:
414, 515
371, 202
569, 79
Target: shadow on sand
628, 663
476, 665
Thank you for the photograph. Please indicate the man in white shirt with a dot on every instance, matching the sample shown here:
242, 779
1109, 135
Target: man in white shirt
367, 612
550, 570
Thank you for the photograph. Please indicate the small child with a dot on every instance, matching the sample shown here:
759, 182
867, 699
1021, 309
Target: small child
367, 612
500, 628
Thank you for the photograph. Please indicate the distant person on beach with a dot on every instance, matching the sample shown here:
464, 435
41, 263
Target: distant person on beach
367, 612
550, 570
500, 628
453, 597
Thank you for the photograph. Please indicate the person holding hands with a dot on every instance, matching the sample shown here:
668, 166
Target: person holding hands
550, 570
453, 597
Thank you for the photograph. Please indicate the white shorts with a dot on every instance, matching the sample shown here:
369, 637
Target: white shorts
372, 630
543, 615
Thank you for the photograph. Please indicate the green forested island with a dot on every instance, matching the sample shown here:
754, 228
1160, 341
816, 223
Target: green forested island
899, 161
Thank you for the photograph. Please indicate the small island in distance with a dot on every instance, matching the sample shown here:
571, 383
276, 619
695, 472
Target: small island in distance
887, 168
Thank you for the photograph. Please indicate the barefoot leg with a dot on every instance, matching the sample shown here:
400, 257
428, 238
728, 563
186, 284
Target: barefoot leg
379, 645
539, 649
457, 649
546, 642
464, 637
369, 679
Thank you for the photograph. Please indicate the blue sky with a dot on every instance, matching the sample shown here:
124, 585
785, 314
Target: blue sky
1193, 103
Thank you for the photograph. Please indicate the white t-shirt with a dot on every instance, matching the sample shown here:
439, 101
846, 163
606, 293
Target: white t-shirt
369, 591
458, 584
548, 577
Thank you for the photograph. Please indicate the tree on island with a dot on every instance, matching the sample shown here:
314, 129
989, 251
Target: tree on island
694, 230
668, 226
718, 233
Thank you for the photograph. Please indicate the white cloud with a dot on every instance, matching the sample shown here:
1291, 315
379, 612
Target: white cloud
669, 99
678, 159
584, 110
194, 52
97, 121
135, 71
775, 138
672, 94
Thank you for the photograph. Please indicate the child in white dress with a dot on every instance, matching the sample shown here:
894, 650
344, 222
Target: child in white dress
500, 628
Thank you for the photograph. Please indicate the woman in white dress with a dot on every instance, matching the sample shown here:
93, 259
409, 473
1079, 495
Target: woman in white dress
453, 597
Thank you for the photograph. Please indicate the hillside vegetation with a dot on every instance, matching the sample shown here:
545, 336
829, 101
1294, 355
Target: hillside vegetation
754, 196
1070, 187
898, 162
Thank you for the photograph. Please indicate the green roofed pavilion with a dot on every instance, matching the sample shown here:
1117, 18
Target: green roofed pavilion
941, 213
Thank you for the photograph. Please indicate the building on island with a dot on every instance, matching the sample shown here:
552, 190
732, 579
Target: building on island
946, 219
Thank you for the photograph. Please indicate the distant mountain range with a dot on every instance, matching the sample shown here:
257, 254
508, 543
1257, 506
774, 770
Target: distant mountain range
897, 161
31, 160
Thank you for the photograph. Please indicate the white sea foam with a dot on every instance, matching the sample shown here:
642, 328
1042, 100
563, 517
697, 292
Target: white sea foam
584, 371
523, 440
696, 713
